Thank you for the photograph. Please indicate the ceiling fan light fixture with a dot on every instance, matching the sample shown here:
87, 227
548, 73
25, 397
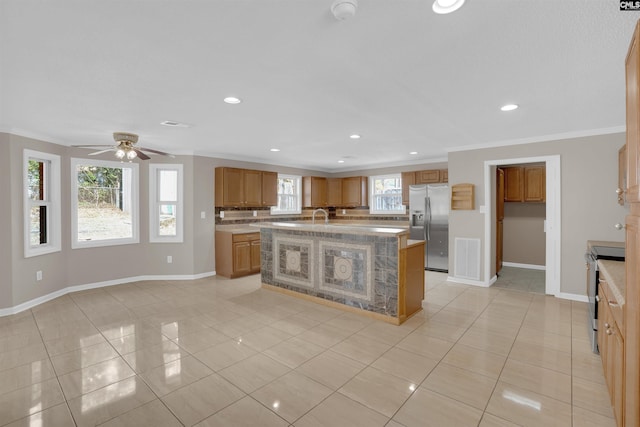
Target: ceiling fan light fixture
120, 153
447, 6
344, 9
131, 154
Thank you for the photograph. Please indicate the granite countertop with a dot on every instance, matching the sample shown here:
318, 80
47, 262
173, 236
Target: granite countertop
614, 272
237, 228
591, 243
333, 228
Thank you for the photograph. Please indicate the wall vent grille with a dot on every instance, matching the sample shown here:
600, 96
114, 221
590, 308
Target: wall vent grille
467, 258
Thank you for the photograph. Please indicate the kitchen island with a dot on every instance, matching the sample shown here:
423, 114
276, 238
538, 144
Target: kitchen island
375, 271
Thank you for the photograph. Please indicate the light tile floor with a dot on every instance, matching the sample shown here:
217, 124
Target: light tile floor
521, 279
218, 352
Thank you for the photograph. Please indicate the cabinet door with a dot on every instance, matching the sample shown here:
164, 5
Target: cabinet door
241, 257
354, 191
408, 178
534, 184
314, 189
513, 184
334, 192
616, 371
633, 120
444, 175
269, 188
622, 174
233, 187
427, 177
255, 255
632, 318
252, 188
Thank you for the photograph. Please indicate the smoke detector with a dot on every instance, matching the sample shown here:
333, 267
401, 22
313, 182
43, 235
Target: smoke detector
344, 9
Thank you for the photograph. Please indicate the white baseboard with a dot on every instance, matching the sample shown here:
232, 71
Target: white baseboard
468, 282
573, 297
40, 300
528, 266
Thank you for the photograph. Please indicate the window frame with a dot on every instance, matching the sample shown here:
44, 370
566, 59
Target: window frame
298, 210
155, 202
135, 204
52, 201
372, 195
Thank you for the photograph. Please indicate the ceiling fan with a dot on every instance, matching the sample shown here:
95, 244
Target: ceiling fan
125, 147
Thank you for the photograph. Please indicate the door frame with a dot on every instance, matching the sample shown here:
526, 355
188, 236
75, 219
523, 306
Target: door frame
552, 221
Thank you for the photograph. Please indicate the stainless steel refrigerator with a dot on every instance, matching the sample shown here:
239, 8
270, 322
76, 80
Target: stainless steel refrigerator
429, 220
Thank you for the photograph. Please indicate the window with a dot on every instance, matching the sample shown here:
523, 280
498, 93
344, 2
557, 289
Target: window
386, 194
289, 195
41, 177
104, 197
165, 203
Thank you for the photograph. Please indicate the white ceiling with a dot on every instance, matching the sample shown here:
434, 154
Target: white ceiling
406, 79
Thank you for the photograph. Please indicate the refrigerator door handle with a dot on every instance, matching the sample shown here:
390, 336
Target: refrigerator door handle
428, 222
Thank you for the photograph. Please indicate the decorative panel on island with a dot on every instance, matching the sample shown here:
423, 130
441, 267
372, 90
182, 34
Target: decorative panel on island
371, 270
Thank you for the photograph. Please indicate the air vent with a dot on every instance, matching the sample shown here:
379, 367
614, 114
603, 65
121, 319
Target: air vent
173, 124
467, 260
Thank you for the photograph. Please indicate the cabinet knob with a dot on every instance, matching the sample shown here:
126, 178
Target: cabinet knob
597, 298
619, 191
609, 332
606, 325
619, 226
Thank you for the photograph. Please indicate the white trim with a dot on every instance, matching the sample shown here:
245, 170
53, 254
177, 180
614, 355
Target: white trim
479, 283
154, 203
542, 138
573, 297
53, 199
273, 210
527, 266
135, 203
553, 217
40, 300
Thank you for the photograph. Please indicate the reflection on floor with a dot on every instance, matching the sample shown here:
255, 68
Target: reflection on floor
521, 279
219, 352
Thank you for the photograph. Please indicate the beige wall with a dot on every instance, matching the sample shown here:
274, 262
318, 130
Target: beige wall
6, 271
588, 207
524, 236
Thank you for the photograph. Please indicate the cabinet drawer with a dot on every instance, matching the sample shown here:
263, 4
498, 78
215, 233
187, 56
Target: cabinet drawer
245, 237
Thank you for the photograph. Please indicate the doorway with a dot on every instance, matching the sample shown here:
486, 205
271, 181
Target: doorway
551, 223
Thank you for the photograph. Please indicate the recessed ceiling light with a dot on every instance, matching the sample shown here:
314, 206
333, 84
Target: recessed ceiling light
232, 100
340, 161
413, 152
447, 6
509, 107
173, 124
275, 150
354, 136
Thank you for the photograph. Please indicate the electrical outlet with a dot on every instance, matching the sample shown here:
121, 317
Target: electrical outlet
39, 275
344, 211
221, 214
169, 259
255, 213
203, 215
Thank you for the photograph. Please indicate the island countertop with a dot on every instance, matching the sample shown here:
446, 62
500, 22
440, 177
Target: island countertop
334, 228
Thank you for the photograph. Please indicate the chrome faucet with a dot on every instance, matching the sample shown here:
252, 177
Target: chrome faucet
326, 216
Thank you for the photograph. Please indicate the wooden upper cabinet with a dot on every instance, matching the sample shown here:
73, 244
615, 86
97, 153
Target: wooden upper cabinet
236, 187
252, 188
534, 184
513, 184
632, 69
334, 191
229, 187
269, 188
314, 191
354, 191
408, 178
444, 175
428, 177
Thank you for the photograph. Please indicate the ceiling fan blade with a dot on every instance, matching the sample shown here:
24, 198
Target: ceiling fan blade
102, 151
155, 151
91, 146
141, 155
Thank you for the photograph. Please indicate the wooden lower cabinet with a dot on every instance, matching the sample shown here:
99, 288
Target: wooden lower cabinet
611, 345
237, 254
